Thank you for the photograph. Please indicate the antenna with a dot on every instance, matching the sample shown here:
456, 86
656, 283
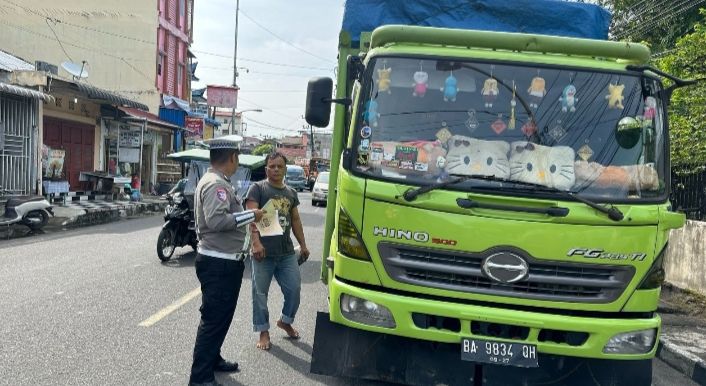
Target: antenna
78, 71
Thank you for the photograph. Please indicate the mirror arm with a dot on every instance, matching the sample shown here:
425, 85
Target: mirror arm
678, 82
340, 101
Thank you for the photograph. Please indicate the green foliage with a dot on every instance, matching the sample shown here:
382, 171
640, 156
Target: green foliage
263, 149
657, 23
688, 108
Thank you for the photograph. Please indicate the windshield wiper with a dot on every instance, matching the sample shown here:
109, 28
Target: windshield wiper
411, 194
613, 213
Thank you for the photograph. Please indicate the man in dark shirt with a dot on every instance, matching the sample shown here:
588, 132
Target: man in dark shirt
274, 256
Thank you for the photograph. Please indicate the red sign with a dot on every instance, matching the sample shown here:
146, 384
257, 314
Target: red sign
194, 125
222, 96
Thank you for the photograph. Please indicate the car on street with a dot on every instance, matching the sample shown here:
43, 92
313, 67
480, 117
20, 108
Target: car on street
319, 193
295, 177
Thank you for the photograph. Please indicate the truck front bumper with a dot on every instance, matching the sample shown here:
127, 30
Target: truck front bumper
454, 321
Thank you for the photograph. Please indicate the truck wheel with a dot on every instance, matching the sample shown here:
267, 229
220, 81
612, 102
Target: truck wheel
165, 244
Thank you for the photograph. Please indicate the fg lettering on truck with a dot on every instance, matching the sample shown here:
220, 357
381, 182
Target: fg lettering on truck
499, 204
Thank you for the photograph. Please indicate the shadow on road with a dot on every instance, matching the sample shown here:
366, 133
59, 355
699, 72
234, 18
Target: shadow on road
185, 260
296, 363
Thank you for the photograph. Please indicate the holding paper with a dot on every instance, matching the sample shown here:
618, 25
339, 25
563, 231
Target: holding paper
269, 225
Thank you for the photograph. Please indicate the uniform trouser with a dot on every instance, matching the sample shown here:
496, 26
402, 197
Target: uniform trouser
220, 286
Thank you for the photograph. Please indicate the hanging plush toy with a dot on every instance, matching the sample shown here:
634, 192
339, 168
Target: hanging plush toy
384, 80
537, 91
615, 96
420, 83
513, 103
650, 108
370, 113
472, 122
450, 88
490, 92
568, 99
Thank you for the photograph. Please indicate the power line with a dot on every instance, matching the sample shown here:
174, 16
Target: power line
265, 108
667, 15
282, 39
262, 61
661, 16
58, 40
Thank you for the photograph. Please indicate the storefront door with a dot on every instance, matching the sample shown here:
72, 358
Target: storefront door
77, 139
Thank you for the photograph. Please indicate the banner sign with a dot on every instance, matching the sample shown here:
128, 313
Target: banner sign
222, 96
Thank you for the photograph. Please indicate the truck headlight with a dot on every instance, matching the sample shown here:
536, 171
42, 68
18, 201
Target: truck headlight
366, 312
635, 342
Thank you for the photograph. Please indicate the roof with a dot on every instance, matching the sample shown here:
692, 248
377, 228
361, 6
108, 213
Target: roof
12, 63
25, 92
98, 94
246, 160
151, 118
292, 141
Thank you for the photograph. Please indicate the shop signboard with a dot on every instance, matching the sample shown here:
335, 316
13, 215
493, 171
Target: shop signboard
222, 96
129, 138
195, 126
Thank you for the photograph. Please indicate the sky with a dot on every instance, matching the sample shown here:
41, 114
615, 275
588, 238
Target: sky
301, 44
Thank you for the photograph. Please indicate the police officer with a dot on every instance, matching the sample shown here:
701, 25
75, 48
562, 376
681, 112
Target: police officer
220, 226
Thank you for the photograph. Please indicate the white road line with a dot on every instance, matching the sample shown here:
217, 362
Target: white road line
161, 314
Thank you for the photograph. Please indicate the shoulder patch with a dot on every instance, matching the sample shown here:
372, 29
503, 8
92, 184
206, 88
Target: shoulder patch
221, 194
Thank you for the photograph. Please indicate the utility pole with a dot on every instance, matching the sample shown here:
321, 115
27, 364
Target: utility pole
235, 65
311, 131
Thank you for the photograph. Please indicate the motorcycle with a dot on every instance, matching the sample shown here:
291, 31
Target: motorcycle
179, 229
33, 212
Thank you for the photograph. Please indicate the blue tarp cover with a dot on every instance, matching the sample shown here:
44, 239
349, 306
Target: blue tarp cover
545, 17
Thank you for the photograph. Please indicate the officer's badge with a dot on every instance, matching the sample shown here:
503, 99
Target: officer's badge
221, 194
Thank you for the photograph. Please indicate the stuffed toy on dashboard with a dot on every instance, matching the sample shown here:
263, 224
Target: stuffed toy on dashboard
630, 177
544, 165
470, 156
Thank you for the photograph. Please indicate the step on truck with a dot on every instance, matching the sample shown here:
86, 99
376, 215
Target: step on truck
500, 179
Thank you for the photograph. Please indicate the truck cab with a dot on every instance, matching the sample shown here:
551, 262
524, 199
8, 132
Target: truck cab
502, 195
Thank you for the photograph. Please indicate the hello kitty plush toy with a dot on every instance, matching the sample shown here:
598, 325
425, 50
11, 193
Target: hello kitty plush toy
420, 83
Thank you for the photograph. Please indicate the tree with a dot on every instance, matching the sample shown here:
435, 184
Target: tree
688, 108
265, 148
658, 23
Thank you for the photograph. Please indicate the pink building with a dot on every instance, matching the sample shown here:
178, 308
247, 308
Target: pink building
174, 37
294, 148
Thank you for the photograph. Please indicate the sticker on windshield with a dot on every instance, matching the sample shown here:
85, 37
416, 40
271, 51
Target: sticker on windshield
366, 132
585, 152
377, 153
557, 132
406, 153
362, 159
364, 146
421, 166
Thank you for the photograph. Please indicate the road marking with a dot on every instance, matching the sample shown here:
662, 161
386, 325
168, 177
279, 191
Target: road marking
161, 314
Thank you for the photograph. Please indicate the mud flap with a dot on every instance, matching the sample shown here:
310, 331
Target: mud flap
341, 351
346, 352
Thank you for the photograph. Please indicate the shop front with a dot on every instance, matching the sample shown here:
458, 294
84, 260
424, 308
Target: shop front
75, 129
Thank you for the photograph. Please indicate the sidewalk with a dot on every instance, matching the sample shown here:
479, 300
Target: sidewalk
86, 213
683, 340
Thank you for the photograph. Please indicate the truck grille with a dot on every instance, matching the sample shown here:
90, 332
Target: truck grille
546, 280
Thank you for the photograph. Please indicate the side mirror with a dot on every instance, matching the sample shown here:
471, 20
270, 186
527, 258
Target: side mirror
318, 101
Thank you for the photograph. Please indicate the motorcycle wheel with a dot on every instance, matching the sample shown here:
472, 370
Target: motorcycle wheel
42, 218
165, 244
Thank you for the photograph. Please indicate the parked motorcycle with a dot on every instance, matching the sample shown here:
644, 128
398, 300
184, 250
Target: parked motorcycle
33, 212
179, 229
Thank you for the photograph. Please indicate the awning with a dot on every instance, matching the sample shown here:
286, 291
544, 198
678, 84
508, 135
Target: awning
151, 118
107, 96
25, 92
173, 102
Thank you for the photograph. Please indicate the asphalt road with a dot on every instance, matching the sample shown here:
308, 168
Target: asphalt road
95, 306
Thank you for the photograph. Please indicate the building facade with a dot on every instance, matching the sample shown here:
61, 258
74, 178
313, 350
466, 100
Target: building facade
174, 36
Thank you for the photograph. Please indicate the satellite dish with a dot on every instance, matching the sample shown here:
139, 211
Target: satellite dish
78, 71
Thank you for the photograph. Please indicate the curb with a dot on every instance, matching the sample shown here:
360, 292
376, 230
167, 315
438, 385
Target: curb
693, 367
103, 216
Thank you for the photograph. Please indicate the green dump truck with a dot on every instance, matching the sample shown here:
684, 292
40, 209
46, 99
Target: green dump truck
499, 208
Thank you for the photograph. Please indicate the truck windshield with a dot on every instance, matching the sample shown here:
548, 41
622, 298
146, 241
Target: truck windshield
598, 134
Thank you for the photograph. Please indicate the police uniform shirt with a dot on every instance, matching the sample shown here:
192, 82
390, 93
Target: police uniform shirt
219, 217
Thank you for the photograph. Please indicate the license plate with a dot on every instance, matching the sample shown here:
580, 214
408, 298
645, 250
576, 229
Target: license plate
499, 353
